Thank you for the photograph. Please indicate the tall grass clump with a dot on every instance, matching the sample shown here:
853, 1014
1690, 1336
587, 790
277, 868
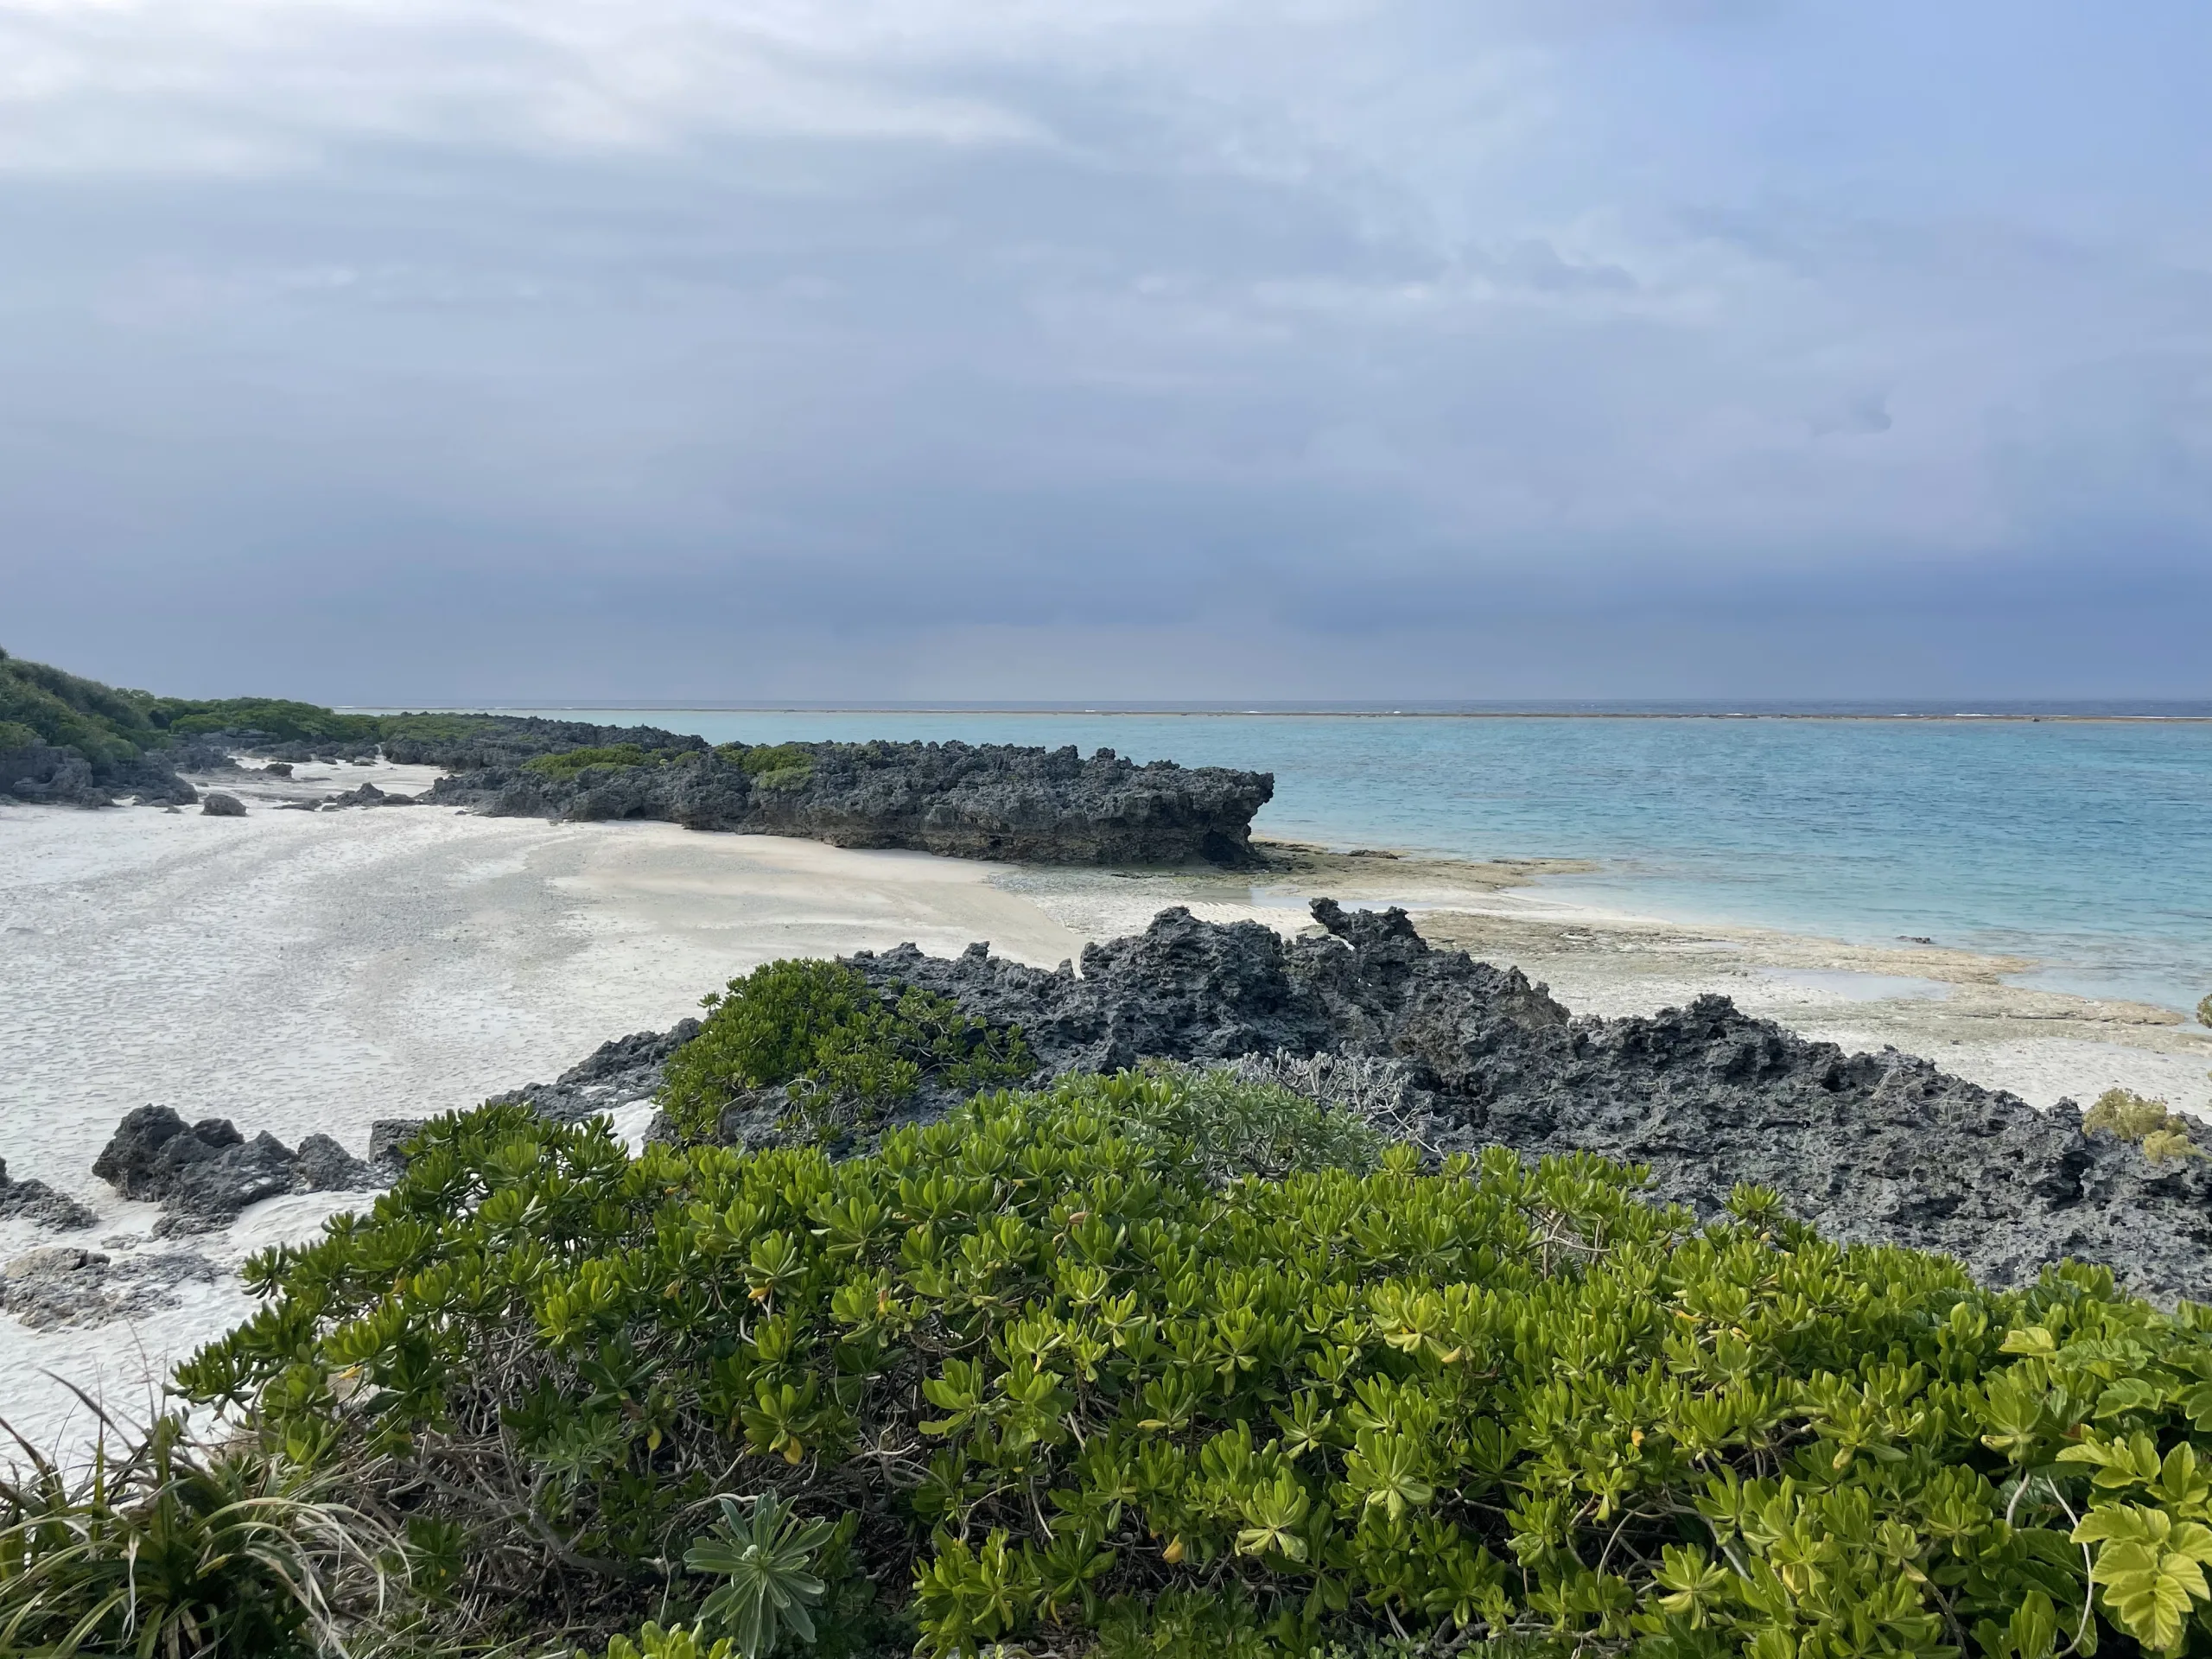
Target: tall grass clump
163, 1547
1117, 1370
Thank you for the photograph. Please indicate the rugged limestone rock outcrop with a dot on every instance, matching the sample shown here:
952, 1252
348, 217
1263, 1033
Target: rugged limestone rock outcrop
959, 799
61, 777
203, 1175
37, 1202
63, 1285
1459, 1055
367, 795
614, 1075
1870, 1147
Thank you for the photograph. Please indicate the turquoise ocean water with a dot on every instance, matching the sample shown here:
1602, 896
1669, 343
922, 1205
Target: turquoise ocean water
2086, 845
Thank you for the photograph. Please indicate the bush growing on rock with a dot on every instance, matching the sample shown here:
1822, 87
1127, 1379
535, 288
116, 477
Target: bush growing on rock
843, 1048
576, 760
2162, 1134
1071, 1381
273, 717
103, 724
775, 767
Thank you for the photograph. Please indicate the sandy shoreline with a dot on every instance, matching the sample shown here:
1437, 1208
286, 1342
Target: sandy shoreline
301, 972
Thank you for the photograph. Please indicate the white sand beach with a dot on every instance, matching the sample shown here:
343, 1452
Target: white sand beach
300, 972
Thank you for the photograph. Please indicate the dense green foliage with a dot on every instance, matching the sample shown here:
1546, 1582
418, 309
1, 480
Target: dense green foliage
99, 721
772, 766
1079, 1385
105, 724
276, 717
2204, 1012
2162, 1134
841, 1050
567, 765
161, 1550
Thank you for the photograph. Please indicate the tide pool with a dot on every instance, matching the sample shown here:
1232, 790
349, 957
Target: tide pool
2086, 845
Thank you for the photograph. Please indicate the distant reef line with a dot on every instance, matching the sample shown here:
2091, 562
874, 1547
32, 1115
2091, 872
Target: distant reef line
68, 741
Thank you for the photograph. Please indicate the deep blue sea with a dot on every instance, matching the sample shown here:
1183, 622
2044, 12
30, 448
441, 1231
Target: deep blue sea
2086, 845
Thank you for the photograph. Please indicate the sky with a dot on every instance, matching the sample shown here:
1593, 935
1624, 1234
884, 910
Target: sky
435, 351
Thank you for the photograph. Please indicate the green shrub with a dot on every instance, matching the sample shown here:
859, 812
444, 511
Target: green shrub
107, 725
1078, 1384
846, 1049
772, 766
277, 717
2204, 1012
163, 1547
101, 723
2162, 1134
567, 765
13, 736
766, 1557
655, 1642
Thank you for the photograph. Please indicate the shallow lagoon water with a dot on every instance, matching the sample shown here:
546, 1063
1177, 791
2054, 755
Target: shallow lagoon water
2084, 844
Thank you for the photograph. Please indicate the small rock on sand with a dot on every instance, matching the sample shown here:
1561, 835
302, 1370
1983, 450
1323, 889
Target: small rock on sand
35, 1201
219, 805
63, 1284
203, 1175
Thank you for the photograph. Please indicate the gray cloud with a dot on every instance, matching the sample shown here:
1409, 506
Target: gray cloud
466, 349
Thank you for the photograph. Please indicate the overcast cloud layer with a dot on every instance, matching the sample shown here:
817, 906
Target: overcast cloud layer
423, 350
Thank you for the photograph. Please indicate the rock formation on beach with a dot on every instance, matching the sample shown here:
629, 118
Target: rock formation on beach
40, 773
65, 1285
67, 739
1453, 1053
1868, 1147
614, 1075
203, 1175
963, 800
1457, 1055
37, 1202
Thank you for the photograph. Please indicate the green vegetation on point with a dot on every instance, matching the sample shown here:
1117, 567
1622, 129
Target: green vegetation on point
100, 722
43, 704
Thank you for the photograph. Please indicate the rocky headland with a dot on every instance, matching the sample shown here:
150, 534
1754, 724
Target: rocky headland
66, 740
1451, 1053
963, 800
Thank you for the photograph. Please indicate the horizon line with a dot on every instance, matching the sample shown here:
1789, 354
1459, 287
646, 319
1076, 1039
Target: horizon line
2086, 709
